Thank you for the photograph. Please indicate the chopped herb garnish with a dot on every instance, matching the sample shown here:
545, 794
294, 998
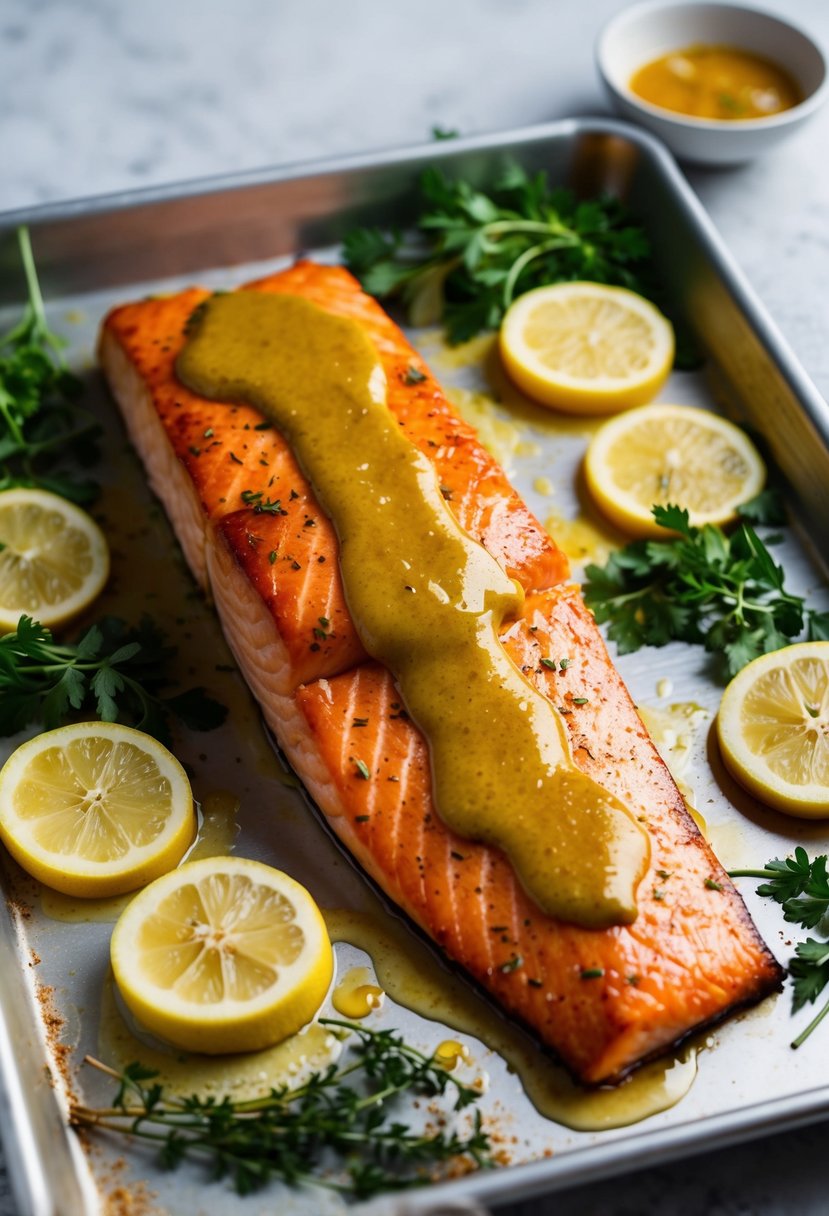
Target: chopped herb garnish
272, 556
208, 434
550, 664
362, 769
565, 663
712, 885
361, 818
512, 964
413, 376
580, 701
260, 504
592, 973
235, 458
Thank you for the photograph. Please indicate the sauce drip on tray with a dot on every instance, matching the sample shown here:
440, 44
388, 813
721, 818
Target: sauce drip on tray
427, 601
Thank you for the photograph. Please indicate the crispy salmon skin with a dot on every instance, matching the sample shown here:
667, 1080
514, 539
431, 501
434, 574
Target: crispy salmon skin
604, 1000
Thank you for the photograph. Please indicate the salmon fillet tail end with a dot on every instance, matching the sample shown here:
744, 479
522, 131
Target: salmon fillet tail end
603, 1000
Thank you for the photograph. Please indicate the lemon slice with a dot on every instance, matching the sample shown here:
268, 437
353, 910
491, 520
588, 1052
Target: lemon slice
95, 809
54, 559
773, 729
586, 348
222, 955
671, 454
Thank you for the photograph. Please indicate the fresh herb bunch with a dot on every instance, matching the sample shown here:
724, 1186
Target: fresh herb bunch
475, 252
801, 886
285, 1134
41, 424
114, 670
702, 586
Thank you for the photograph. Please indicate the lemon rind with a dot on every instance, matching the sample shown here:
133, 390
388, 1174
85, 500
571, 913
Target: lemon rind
233, 1025
747, 767
561, 390
57, 614
626, 511
90, 879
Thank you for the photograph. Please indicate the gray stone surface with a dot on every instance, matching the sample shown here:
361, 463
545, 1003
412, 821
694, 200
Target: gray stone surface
99, 96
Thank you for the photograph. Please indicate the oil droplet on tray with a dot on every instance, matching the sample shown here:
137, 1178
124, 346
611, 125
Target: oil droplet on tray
355, 996
450, 1053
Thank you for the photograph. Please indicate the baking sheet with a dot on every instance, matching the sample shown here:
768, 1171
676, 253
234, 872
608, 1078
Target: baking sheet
748, 1077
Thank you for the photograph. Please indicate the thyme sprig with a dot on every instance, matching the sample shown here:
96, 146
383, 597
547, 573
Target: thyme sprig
41, 422
341, 1112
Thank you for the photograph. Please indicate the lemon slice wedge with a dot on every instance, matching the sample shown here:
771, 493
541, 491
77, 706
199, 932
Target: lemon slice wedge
222, 955
671, 454
54, 559
95, 809
586, 348
773, 729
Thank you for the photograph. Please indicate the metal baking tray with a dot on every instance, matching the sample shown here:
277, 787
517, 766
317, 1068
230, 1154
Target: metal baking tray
54, 989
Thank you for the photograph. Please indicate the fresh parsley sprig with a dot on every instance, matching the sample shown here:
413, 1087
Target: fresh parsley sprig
474, 253
41, 423
285, 1134
115, 671
703, 586
801, 886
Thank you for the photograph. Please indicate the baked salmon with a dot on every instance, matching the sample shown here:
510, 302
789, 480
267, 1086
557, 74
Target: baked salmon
256, 539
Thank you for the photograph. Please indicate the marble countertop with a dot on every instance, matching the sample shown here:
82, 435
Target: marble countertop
101, 96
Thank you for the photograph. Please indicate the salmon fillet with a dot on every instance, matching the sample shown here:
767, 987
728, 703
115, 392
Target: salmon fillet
255, 537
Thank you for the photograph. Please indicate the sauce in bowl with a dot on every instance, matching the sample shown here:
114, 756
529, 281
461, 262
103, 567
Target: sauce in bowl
720, 82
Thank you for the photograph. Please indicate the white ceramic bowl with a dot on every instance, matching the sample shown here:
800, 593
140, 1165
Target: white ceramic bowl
637, 35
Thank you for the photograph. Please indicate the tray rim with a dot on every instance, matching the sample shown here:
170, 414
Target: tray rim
640, 1149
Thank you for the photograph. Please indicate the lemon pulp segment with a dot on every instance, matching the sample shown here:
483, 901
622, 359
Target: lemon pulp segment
95, 809
671, 454
773, 729
54, 560
586, 347
223, 955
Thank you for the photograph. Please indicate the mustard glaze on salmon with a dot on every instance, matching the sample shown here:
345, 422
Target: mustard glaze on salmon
604, 1000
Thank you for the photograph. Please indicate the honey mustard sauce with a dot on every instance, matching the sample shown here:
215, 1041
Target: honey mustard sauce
427, 601
721, 82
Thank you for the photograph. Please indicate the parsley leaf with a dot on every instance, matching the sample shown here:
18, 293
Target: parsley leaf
700, 586
114, 671
41, 424
474, 253
802, 887
810, 970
